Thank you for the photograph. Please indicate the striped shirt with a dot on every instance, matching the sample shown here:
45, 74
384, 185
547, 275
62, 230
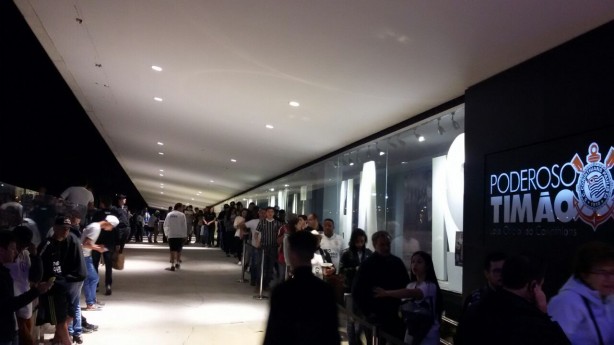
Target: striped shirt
268, 229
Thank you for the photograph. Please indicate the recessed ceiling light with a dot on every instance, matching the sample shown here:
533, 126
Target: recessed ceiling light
161, 192
161, 186
381, 153
233, 160
192, 199
294, 104
161, 153
156, 68
161, 170
272, 189
158, 99
161, 174
286, 185
211, 181
269, 126
160, 143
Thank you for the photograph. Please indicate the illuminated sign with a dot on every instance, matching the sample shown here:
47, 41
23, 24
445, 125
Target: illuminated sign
559, 193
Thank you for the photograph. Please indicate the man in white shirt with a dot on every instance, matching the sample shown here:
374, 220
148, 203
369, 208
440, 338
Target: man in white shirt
254, 235
176, 230
88, 241
332, 243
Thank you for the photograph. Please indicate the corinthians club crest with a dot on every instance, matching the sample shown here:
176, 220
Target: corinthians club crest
594, 188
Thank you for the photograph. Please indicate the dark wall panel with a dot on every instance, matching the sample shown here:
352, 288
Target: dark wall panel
540, 112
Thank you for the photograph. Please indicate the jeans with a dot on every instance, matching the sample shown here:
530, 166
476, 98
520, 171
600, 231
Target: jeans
74, 293
91, 281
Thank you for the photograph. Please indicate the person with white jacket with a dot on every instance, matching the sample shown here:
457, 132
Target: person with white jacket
176, 230
584, 306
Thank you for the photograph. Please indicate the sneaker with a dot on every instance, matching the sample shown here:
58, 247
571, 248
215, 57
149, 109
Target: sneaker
77, 339
172, 268
177, 266
90, 326
86, 330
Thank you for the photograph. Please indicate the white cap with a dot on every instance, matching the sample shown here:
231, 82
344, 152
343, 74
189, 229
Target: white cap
113, 220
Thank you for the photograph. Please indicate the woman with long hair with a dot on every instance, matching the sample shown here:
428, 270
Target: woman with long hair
423, 287
239, 226
352, 257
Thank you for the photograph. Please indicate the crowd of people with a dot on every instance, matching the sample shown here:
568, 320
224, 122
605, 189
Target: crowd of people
513, 309
61, 268
51, 260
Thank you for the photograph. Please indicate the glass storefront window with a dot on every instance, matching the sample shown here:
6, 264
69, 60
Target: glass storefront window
409, 183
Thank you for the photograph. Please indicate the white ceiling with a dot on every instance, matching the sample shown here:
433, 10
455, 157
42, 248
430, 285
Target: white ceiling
231, 67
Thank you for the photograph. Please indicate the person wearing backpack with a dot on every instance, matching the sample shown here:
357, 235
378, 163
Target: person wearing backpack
422, 311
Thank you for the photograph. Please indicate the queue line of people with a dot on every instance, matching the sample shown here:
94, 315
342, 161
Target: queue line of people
59, 246
510, 308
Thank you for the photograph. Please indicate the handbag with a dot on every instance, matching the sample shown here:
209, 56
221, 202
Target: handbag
418, 318
118, 260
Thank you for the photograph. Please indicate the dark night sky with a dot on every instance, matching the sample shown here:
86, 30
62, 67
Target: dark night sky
47, 139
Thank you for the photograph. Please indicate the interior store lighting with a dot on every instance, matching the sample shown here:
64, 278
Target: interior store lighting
440, 129
418, 136
391, 143
455, 124
344, 161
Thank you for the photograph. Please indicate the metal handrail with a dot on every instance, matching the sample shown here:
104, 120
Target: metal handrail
393, 340
450, 321
377, 333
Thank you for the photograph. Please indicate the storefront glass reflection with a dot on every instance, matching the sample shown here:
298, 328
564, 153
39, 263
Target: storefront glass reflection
409, 182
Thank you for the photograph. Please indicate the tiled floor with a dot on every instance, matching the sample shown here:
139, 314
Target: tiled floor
201, 303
